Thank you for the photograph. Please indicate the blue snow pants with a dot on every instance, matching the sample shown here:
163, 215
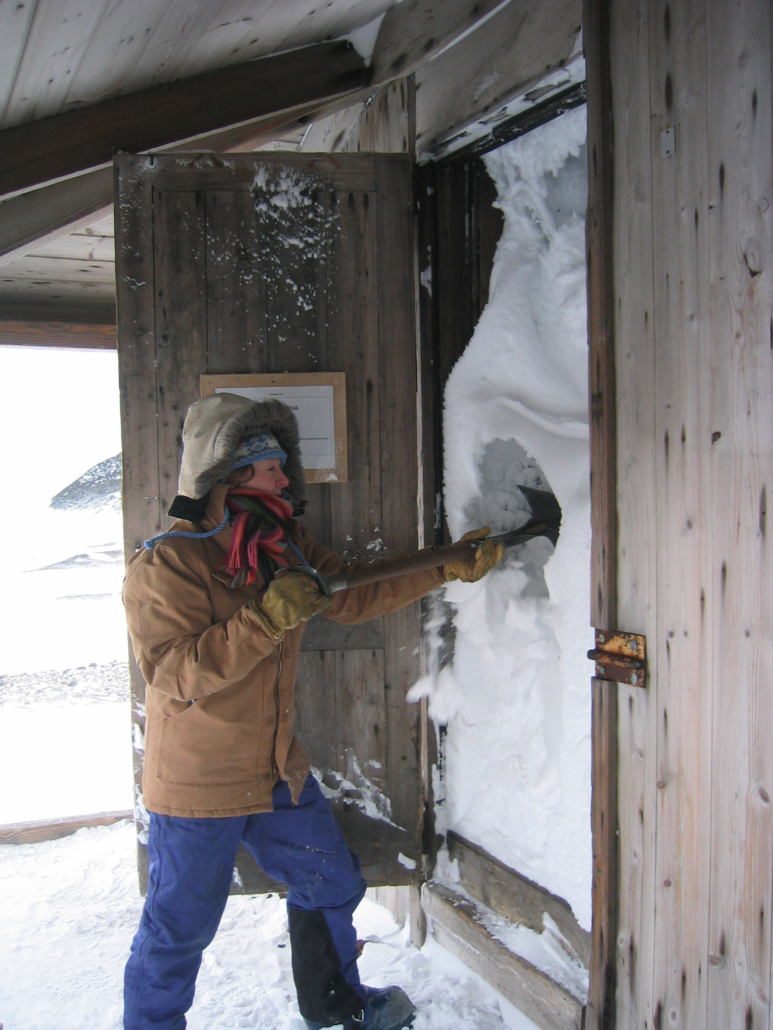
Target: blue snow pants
191, 868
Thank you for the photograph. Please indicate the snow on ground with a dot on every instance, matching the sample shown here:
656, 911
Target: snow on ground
517, 697
65, 738
71, 907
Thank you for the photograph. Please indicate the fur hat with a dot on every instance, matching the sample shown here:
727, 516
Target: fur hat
215, 426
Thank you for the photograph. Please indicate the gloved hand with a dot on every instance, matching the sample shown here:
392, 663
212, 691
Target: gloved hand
293, 598
486, 555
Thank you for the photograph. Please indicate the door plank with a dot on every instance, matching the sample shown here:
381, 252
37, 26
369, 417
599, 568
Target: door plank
237, 336
636, 504
677, 45
181, 323
601, 360
741, 271
399, 477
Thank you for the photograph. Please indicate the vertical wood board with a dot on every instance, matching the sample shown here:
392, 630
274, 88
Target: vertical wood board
739, 54
636, 502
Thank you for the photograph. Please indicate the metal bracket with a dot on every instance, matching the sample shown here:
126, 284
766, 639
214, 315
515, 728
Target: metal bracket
620, 657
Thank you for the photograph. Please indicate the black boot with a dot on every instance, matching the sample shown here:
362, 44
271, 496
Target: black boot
389, 1008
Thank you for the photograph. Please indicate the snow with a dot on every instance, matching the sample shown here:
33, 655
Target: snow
64, 731
71, 907
516, 700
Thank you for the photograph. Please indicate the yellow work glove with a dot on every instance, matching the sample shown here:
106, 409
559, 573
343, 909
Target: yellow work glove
293, 598
486, 555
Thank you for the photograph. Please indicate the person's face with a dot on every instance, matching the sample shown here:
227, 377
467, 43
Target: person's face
266, 475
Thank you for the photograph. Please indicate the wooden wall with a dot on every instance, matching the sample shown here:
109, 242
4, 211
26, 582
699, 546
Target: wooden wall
693, 340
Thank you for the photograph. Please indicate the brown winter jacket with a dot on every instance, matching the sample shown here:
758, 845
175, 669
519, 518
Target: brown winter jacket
220, 692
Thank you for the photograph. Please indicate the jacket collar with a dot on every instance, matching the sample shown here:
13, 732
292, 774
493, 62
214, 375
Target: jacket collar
214, 515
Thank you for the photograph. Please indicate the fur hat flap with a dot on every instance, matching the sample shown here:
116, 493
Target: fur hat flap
214, 428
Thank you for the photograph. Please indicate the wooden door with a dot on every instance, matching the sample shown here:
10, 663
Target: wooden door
290, 263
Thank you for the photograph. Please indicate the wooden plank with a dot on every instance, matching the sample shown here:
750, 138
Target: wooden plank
123, 34
636, 502
205, 171
180, 272
316, 694
206, 36
237, 335
677, 45
351, 342
45, 214
330, 134
515, 48
16, 19
46, 150
454, 925
136, 335
78, 246
360, 719
36, 305
57, 42
601, 340
387, 122
59, 270
415, 31
513, 896
739, 98
397, 387
57, 334
87, 301
54, 829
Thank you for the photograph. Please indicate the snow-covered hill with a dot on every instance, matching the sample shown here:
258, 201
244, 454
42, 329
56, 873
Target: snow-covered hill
98, 489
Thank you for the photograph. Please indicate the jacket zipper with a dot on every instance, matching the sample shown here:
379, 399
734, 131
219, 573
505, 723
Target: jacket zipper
274, 768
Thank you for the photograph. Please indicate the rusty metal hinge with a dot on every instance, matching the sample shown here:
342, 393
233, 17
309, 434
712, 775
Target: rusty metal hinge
620, 657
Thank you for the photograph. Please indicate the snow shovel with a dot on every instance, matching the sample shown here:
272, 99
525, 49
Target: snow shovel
545, 521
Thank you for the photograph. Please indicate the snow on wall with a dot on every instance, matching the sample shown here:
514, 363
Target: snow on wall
517, 696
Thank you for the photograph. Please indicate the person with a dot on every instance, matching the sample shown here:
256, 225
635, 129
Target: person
216, 624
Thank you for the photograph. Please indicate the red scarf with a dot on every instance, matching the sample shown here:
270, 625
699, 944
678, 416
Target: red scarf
258, 536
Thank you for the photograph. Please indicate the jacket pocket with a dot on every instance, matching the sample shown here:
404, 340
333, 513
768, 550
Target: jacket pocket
199, 747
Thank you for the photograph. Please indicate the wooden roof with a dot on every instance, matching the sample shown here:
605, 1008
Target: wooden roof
59, 55
83, 79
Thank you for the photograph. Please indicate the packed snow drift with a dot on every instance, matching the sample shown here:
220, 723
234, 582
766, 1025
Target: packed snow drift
516, 697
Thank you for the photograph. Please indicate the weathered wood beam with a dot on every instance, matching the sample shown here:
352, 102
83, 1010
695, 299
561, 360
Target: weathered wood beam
506, 55
601, 1014
514, 896
415, 31
64, 145
32, 219
454, 925
57, 334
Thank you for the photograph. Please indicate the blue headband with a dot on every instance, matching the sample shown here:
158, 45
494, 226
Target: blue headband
257, 448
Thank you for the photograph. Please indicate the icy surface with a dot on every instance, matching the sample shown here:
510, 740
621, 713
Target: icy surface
64, 726
70, 910
61, 601
517, 697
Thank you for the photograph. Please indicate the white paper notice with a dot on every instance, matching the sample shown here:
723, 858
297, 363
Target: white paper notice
313, 407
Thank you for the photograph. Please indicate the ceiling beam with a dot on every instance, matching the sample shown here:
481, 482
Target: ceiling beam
57, 334
32, 219
229, 98
415, 31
